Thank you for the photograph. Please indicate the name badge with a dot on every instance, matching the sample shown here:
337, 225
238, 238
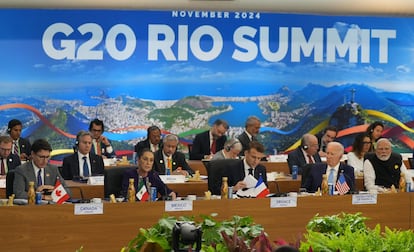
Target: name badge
170, 179
88, 209
279, 202
96, 180
360, 199
179, 205
2, 182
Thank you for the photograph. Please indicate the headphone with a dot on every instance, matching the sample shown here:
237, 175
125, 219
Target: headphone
12, 123
229, 146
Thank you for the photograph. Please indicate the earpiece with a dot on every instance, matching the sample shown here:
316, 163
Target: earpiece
228, 147
305, 147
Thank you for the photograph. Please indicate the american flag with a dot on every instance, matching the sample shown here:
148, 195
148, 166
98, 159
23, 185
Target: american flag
341, 185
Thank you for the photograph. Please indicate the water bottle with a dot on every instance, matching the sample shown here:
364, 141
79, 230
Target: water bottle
294, 172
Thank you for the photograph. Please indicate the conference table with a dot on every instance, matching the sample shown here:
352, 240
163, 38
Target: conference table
58, 228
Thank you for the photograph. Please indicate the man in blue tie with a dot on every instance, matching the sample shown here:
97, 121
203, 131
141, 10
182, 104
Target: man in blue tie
38, 170
83, 163
332, 168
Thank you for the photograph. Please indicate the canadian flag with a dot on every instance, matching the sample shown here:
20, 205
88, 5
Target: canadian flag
59, 194
142, 193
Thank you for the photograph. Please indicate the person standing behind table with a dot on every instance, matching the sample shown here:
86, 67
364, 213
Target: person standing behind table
38, 170
21, 146
179, 165
232, 149
8, 160
383, 167
249, 165
74, 165
305, 154
252, 128
146, 175
355, 158
329, 135
374, 131
207, 143
101, 144
152, 142
333, 165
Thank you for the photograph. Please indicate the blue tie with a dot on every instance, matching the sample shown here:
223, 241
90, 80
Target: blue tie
85, 167
331, 176
39, 178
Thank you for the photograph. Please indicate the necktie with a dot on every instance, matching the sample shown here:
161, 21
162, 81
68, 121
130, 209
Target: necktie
155, 147
310, 159
98, 148
16, 148
213, 147
169, 164
39, 177
331, 176
253, 138
3, 168
251, 171
85, 167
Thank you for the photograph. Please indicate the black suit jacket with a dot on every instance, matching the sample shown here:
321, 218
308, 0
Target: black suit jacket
296, 157
178, 160
236, 173
71, 165
25, 146
12, 162
314, 179
244, 140
201, 145
144, 144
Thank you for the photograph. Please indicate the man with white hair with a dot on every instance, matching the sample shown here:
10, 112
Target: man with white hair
383, 168
232, 148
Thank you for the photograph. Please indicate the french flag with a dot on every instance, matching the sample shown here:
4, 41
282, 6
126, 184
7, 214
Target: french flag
261, 189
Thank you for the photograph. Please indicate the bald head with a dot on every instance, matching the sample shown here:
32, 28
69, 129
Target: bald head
334, 152
311, 141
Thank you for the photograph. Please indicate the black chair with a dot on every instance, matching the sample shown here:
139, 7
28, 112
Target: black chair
411, 163
113, 181
305, 173
9, 183
216, 170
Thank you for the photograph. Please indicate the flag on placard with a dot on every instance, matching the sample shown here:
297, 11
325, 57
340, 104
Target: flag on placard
341, 185
261, 189
142, 193
59, 194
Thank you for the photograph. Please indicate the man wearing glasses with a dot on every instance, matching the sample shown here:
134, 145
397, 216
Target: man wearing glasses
8, 161
101, 145
39, 171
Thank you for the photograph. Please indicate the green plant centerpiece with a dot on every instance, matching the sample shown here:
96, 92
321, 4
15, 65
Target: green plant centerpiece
235, 234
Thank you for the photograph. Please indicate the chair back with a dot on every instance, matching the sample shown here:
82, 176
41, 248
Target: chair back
113, 181
9, 183
216, 170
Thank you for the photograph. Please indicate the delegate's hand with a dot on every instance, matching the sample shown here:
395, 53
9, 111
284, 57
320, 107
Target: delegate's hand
180, 171
104, 140
173, 195
239, 185
45, 188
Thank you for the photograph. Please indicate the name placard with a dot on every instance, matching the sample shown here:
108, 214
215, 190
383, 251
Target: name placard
3, 182
96, 180
279, 202
360, 199
179, 205
88, 209
170, 179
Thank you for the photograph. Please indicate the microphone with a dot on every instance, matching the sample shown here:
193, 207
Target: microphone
352, 185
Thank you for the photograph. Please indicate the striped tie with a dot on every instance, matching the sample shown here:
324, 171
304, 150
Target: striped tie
16, 148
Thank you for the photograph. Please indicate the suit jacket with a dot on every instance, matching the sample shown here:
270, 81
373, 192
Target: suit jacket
314, 179
236, 173
145, 144
296, 157
244, 140
178, 160
153, 179
71, 166
103, 151
201, 145
25, 146
25, 173
12, 161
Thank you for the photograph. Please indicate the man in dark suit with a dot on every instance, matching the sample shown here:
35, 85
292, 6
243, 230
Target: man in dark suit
82, 163
328, 135
169, 158
249, 165
209, 142
306, 153
333, 168
38, 170
8, 161
101, 145
250, 133
21, 146
153, 141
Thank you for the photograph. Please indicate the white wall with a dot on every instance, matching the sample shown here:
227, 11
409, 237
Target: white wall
344, 7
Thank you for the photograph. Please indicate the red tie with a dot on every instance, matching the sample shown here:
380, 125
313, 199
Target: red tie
310, 159
213, 147
3, 168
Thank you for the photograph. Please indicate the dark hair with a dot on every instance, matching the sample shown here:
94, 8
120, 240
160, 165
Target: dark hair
373, 125
251, 120
219, 122
98, 122
12, 123
151, 129
358, 144
41, 144
330, 128
141, 153
257, 146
